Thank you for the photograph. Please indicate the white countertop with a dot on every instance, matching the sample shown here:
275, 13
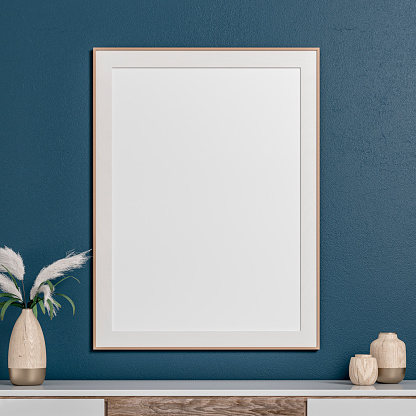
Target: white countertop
308, 388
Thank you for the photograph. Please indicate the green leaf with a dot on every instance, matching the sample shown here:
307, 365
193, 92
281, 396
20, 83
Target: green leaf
56, 302
14, 280
5, 306
50, 284
67, 277
69, 300
50, 308
42, 306
16, 303
35, 311
7, 295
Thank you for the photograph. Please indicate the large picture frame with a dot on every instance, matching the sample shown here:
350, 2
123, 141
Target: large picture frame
206, 198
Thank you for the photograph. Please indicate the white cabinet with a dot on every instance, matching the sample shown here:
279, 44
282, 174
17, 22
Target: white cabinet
361, 407
61, 407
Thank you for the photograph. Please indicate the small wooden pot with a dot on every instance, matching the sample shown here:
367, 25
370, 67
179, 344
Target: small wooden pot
390, 353
27, 351
363, 370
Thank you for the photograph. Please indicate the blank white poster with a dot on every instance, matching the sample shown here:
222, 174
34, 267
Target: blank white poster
206, 199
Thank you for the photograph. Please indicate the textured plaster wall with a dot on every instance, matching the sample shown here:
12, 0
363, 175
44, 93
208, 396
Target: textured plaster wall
368, 166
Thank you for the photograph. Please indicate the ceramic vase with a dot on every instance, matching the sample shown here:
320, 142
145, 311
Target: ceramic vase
390, 353
27, 351
363, 370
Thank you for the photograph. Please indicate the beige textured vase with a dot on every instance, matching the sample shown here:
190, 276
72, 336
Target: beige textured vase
27, 351
390, 353
363, 370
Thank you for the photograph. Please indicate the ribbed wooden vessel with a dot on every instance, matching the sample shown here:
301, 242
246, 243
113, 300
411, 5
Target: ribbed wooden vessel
390, 353
363, 370
27, 351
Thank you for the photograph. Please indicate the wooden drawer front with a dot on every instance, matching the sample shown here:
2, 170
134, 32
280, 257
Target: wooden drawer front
61, 407
209, 406
361, 407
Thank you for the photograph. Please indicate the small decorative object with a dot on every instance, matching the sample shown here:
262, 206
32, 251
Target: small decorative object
390, 353
363, 370
27, 351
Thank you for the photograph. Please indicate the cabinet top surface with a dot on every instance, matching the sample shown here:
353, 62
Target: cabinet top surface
304, 388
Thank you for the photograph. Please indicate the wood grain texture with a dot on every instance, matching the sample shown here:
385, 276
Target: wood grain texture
389, 351
303, 399
27, 345
363, 370
212, 406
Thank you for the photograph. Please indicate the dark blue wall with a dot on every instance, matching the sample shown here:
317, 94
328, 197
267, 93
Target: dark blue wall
368, 165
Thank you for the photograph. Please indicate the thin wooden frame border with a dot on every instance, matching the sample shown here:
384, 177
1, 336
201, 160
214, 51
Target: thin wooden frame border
317, 50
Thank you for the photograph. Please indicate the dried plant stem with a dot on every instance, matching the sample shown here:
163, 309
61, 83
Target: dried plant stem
24, 294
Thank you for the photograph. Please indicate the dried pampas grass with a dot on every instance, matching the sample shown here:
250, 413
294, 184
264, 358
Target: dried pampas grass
71, 262
47, 296
12, 271
7, 286
13, 262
